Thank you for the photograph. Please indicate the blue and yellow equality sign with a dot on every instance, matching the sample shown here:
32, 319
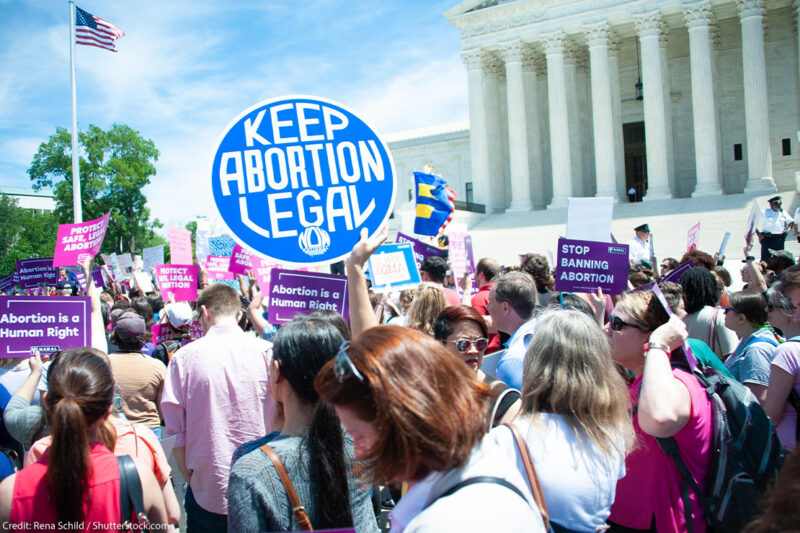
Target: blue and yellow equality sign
296, 178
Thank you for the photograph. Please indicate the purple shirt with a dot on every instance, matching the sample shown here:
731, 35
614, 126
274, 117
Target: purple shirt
216, 398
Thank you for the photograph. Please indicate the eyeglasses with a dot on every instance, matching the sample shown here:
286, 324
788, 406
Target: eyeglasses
463, 345
616, 324
343, 367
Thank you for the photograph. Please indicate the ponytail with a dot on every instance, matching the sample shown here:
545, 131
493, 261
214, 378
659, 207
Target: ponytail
79, 392
326, 442
68, 460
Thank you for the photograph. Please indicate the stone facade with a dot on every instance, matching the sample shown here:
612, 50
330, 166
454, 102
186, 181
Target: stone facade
552, 87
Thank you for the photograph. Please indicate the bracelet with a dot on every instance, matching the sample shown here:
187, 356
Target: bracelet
657, 346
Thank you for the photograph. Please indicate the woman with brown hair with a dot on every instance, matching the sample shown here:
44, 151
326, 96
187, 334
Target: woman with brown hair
77, 480
463, 331
666, 402
415, 413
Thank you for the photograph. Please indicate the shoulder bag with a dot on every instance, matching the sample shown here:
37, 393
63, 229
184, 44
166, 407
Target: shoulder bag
297, 507
130, 496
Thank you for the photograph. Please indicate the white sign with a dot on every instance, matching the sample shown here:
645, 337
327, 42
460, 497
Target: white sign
589, 219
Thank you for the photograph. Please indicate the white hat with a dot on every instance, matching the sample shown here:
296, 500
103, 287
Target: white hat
179, 314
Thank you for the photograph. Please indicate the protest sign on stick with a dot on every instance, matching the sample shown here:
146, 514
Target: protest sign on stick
180, 246
152, 256
33, 272
583, 266
76, 242
724, 244
393, 268
589, 219
241, 260
295, 292
177, 282
421, 249
44, 323
6, 283
125, 262
693, 237
297, 178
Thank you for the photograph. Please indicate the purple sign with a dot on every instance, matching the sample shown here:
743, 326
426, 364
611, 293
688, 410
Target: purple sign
295, 292
470, 255
674, 276
6, 283
178, 282
421, 249
46, 323
241, 260
585, 265
97, 276
32, 272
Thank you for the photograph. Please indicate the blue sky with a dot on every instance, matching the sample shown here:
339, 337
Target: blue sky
185, 69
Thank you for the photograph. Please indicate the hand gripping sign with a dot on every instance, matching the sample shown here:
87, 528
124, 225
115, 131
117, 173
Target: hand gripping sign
296, 178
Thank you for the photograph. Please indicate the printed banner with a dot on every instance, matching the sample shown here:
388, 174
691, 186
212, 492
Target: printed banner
217, 268
46, 323
178, 282
76, 242
693, 237
33, 272
6, 283
180, 246
297, 178
125, 262
294, 292
262, 269
241, 260
221, 245
152, 256
583, 266
162, 332
393, 267
421, 249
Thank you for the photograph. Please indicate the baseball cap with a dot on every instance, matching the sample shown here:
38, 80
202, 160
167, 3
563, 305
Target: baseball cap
129, 326
179, 314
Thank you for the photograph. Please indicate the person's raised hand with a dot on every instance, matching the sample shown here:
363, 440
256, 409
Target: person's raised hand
366, 246
673, 333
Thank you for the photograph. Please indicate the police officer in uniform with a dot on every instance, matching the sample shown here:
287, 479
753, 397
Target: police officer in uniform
775, 224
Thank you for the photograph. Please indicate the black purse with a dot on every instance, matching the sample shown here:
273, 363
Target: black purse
130, 496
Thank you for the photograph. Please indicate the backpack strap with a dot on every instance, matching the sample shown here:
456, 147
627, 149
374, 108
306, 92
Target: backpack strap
794, 400
480, 479
297, 507
130, 491
670, 447
502, 403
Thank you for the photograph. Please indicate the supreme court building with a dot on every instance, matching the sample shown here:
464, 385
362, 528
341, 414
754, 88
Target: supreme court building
669, 98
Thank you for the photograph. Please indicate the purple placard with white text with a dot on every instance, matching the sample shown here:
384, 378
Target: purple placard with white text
241, 260
295, 292
178, 282
421, 249
583, 266
6, 283
46, 323
97, 276
32, 272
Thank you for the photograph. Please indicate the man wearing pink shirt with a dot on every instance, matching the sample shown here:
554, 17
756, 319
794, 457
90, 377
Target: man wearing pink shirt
215, 398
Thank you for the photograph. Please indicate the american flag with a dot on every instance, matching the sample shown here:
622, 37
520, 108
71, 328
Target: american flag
94, 31
451, 197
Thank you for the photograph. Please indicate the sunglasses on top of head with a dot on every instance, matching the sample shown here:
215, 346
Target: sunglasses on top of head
343, 366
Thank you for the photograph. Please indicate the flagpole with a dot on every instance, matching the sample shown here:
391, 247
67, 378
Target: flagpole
76, 178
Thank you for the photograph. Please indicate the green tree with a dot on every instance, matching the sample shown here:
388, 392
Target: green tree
115, 166
24, 233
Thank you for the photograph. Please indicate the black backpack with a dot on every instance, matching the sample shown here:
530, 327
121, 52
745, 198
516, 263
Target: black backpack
746, 455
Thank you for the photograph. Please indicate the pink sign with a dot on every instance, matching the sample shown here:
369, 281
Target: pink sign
178, 282
241, 260
76, 242
162, 332
180, 246
217, 268
693, 237
262, 270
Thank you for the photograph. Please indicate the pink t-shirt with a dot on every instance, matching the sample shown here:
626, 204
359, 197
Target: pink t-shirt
652, 484
787, 357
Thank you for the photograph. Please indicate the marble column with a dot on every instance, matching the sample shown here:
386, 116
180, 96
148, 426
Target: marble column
602, 110
517, 127
532, 66
616, 114
572, 59
698, 19
663, 42
495, 123
648, 27
478, 135
559, 120
756, 106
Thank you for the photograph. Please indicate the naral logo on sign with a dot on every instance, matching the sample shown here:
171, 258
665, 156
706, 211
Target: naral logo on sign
617, 250
296, 178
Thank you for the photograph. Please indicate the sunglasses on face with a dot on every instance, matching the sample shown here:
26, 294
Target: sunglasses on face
343, 367
616, 324
463, 345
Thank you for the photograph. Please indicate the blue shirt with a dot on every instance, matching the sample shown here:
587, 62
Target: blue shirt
750, 361
510, 365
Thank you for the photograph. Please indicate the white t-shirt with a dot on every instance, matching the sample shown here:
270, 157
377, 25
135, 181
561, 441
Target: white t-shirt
774, 221
638, 250
578, 480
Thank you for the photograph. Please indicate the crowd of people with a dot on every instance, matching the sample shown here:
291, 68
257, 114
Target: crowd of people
490, 402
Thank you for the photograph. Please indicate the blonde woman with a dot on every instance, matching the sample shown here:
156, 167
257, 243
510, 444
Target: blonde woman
574, 418
429, 300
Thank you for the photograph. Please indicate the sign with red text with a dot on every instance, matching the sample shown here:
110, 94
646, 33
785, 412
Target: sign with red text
76, 242
393, 268
693, 237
